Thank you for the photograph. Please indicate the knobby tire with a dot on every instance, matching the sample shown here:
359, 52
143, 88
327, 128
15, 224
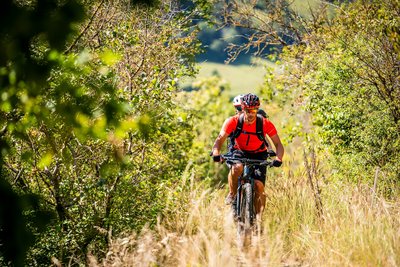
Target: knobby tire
246, 214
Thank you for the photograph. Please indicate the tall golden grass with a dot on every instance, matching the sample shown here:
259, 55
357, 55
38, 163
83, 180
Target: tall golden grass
356, 228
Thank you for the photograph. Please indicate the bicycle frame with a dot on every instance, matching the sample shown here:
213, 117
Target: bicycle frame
245, 196
247, 177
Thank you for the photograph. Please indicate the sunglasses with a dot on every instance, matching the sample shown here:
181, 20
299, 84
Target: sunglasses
253, 110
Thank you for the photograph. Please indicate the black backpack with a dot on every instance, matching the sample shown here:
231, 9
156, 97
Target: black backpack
239, 129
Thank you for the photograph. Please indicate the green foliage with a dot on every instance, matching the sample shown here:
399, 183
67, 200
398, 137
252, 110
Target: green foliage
23, 81
210, 105
348, 74
96, 135
17, 221
24, 72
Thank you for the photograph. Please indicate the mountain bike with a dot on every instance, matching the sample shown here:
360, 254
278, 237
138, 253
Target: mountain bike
245, 198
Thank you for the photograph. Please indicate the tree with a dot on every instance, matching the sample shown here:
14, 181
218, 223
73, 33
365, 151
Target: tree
350, 74
22, 80
86, 116
272, 24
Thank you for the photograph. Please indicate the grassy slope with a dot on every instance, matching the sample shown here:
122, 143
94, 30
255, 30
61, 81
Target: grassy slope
241, 78
355, 230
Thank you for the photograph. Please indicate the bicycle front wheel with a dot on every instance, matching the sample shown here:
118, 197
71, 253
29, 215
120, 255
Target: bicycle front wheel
246, 207
245, 217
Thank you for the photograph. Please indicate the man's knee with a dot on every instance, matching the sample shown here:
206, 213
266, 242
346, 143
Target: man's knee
236, 170
260, 196
259, 186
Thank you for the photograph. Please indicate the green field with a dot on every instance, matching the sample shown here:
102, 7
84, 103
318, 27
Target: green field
304, 7
241, 78
247, 77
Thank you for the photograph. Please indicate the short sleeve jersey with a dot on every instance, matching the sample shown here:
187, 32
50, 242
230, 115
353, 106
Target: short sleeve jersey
245, 141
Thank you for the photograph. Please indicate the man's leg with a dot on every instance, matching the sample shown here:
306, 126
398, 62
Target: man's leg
259, 183
233, 176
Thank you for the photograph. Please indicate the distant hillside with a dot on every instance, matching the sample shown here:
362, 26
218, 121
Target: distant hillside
215, 41
241, 78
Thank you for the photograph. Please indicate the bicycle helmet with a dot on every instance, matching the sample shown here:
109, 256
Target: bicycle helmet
237, 101
250, 101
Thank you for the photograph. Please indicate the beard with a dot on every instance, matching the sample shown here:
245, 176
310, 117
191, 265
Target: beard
249, 120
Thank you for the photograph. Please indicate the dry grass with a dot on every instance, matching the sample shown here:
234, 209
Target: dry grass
355, 230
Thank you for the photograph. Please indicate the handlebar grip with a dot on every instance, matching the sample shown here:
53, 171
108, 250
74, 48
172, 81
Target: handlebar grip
276, 163
217, 158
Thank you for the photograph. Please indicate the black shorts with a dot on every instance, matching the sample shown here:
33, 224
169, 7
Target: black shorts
260, 172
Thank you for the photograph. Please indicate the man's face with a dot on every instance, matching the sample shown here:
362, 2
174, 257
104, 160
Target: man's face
250, 115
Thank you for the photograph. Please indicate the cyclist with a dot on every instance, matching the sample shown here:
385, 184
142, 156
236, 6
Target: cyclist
237, 103
248, 145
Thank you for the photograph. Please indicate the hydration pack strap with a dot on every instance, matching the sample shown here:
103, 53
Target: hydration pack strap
259, 129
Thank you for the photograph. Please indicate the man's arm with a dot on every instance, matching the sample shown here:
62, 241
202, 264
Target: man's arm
279, 147
218, 143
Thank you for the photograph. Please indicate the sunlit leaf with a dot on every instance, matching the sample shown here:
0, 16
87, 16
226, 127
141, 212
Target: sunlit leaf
45, 161
109, 57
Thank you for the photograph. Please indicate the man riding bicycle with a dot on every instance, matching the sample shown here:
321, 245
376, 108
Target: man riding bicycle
248, 145
237, 104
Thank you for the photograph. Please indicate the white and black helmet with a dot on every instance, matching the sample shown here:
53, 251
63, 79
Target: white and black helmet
237, 101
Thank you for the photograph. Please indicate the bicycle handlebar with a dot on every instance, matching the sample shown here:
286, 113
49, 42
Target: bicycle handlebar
231, 159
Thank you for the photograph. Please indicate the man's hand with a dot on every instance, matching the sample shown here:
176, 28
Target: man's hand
276, 163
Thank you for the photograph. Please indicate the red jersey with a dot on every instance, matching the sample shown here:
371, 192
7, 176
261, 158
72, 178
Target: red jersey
245, 141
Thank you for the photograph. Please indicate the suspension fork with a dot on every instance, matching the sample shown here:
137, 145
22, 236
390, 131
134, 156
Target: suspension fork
245, 175
253, 198
248, 172
238, 194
